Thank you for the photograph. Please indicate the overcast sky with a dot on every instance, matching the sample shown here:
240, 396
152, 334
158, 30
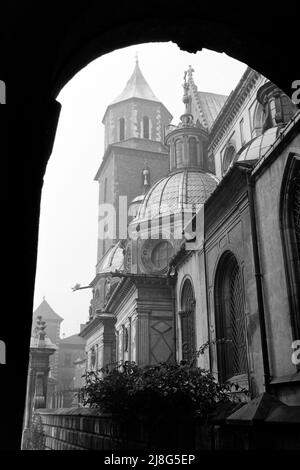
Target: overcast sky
68, 222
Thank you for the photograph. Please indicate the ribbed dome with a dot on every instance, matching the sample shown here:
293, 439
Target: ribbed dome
174, 192
113, 260
259, 146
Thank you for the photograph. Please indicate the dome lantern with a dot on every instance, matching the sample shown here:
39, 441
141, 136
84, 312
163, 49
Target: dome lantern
188, 140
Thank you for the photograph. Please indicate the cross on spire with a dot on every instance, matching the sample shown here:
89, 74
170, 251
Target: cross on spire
136, 57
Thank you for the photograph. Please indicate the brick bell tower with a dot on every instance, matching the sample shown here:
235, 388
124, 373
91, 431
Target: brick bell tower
135, 156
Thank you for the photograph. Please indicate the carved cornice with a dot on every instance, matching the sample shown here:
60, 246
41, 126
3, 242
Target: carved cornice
232, 106
181, 256
90, 327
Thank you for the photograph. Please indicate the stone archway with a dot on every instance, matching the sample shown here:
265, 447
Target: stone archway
44, 48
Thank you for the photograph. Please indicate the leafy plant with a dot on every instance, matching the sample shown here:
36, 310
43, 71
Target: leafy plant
37, 435
154, 391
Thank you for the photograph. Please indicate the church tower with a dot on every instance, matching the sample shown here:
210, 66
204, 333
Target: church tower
135, 155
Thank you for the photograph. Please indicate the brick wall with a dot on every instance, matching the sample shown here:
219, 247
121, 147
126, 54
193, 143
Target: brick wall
88, 429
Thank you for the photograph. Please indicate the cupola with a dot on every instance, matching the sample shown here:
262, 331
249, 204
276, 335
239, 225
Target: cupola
278, 107
188, 140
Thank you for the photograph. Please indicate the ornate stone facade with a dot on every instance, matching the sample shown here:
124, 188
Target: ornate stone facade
214, 253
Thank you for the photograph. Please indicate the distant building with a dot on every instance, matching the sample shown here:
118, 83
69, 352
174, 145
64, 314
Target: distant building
71, 350
63, 363
80, 368
53, 321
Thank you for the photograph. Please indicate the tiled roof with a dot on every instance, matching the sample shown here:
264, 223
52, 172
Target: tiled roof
136, 87
46, 312
211, 104
113, 260
178, 190
260, 145
73, 339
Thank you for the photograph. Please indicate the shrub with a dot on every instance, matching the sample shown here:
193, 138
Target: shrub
154, 391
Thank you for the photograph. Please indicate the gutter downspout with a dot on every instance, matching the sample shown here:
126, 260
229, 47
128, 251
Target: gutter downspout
207, 308
172, 281
258, 280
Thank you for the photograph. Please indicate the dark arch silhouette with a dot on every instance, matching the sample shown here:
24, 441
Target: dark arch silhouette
43, 49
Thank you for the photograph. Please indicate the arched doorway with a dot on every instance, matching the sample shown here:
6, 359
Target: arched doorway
230, 319
290, 232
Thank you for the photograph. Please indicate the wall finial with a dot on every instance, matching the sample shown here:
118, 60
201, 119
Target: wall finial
186, 98
190, 72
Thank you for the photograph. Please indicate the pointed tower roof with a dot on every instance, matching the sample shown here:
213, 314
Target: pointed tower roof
46, 312
209, 104
136, 87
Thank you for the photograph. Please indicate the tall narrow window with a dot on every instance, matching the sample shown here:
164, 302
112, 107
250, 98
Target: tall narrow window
187, 321
242, 131
228, 157
258, 120
290, 230
230, 319
146, 134
179, 153
193, 151
122, 128
105, 190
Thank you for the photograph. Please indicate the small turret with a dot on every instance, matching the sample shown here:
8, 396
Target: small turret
187, 141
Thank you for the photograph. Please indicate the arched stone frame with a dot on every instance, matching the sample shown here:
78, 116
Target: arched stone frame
228, 157
193, 151
172, 154
187, 322
258, 120
179, 153
74, 54
290, 244
145, 255
221, 284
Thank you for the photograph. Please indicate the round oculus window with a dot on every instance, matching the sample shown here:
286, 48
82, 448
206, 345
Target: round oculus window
161, 254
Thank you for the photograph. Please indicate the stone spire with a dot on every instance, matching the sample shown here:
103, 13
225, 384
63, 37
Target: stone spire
187, 117
137, 87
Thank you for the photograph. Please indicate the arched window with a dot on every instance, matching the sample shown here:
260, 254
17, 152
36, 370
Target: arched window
179, 153
122, 128
290, 230
188, 343
193, 151
258, 120
146, 134
230, 319
228, 157
126, 339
